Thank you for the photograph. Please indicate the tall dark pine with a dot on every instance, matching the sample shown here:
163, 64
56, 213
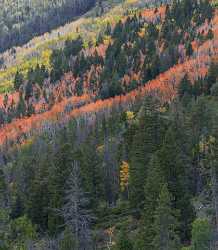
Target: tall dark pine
4, 212
145, 142
165, 224
153, 185
18, 80
174, 162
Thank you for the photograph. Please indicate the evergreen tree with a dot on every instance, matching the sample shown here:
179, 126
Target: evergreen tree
72, 48
174, 161
212, 77
59, 65
91, 173
165, 223
201, 234
153, 186
23, 232
37, 203
146, 141
4, 214
185, 88
21, 107
18, 80
189, 49
59, 171
79, 87
124, 242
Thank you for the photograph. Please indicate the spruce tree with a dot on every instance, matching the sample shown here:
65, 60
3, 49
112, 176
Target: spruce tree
153, 185
147, 140
59, 171
212, 77
174, 162
124, 242
201, 235
21, 107
165, 223
18, 80
4, 214
185, 87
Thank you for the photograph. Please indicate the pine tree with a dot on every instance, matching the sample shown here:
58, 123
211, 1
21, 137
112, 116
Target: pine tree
59, 171
124, 242
209, 148
165, 224
38, 202
185, 87
174, 161
4, 214
147, 140
18, 80
211, 77
153, 185
189, 49
91, 172
21, 107
201, 234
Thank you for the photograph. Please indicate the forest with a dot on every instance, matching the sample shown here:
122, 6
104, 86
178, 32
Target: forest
115, 146
21, 20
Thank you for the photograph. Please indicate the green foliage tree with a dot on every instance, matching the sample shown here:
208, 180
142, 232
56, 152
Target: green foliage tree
67, 241
211, 77
173, 161
165, 223
4, 215
146, 141
185, 90
123, 242
153, 186
21, 107
59, 65
18, 80
22, 231
201, 234
73, 47
23, 20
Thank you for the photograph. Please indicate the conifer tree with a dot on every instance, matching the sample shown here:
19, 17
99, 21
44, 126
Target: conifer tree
185, 87
59, 171
18, 80
21, 107
201, 235
146, 141
153, 186
212, 76
4, 214
165, 223
173, 161
124, 242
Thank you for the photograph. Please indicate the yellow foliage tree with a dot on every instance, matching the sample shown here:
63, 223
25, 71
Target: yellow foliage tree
129, 115
124, 176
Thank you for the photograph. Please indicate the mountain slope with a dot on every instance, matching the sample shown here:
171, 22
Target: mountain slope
22, 20
39, 48
165, 84
115, 145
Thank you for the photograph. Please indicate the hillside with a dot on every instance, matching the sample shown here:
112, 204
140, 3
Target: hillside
39, 48
22, 20
38, 97
110, 140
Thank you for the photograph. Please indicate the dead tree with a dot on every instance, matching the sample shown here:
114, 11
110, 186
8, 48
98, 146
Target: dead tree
75, 213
